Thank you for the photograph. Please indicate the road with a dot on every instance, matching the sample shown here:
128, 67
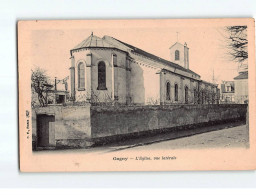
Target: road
218, 136
225, 138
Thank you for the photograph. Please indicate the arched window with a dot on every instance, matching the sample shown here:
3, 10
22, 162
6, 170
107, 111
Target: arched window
168, 91
209, 98
213, 98
177, 55
176, 92
186, 95
81, 76
195, 97
101, 76
114, 60
202, 97
206, 97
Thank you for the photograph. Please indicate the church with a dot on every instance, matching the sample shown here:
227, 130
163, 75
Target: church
107, 70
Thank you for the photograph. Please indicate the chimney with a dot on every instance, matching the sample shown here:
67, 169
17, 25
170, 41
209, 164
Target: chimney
186, 56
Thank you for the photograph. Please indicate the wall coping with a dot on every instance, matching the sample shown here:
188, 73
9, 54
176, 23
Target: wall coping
141, 107
165, 107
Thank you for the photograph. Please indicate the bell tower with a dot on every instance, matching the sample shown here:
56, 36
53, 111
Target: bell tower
179, 54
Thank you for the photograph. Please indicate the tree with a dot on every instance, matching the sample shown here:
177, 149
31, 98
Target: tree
40, 85
237, 43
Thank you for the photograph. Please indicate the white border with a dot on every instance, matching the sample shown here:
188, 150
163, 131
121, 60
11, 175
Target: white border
11, 11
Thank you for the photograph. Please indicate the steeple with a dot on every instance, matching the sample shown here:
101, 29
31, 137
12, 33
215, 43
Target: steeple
179, 54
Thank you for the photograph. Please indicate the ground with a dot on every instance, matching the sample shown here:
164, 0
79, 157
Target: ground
226, 138
218, 136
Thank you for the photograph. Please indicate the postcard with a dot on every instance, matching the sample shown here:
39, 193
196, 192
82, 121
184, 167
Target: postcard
136, 95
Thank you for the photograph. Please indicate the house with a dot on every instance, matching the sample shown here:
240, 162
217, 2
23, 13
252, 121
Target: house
241, 87
53, 94
227, 92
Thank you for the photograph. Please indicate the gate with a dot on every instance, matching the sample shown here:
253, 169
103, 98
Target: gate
45, 130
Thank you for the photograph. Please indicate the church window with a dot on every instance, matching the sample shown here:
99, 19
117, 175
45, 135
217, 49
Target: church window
168, 91
81, 76
195, 96
176, 92
101, 76
203, 97
186, 95
114, 60
213, 98
177, 55
210, 98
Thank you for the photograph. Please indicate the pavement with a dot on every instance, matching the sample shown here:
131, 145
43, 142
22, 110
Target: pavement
217, 136
225, 138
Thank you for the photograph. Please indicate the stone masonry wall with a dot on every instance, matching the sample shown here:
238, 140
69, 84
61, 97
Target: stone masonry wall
72, 124
84, 125
109, 122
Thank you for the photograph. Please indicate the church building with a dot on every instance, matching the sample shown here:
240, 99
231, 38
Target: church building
107, 70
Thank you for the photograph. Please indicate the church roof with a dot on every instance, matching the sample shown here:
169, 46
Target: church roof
185, 44
93, 41
242, 75
156, 58
97, 42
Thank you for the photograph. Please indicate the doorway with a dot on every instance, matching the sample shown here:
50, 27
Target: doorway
45, 130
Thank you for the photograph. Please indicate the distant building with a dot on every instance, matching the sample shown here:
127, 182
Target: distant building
60, 91
109, 70
227, 92
54, 94
241, 88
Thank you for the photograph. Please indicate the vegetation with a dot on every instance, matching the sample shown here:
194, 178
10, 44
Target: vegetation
40, 85
237, 43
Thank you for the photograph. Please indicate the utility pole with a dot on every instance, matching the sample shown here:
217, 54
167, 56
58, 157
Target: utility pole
55, 84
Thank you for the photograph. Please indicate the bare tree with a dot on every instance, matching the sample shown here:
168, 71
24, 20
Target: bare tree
39, 83
237, 43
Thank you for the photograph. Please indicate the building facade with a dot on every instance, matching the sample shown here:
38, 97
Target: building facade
107, 70
57, 93
227, 92
241, 88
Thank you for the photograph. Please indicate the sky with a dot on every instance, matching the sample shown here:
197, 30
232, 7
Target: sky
51, 44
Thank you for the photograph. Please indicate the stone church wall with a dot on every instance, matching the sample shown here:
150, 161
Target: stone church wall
180, 48
104, 55
80, 57
182, 82
145, 84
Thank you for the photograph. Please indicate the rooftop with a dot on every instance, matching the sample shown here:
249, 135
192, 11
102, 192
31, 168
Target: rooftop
94, 41
156, 58
242, 75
